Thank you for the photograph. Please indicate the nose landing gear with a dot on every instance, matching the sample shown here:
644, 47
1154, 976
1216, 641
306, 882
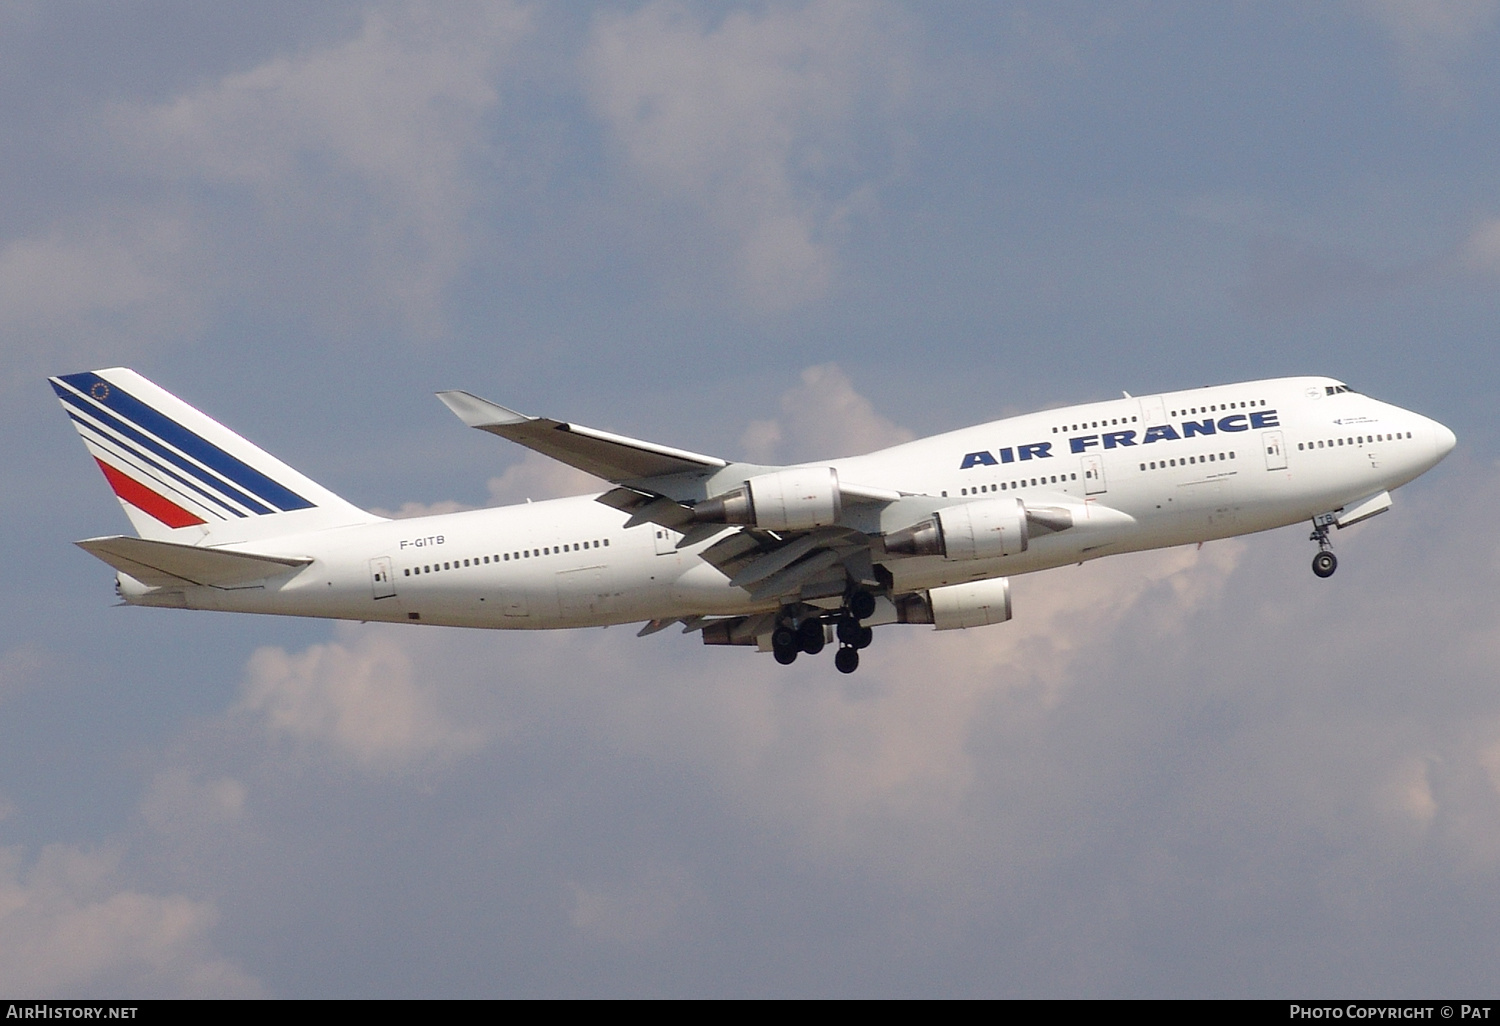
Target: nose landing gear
1325, 562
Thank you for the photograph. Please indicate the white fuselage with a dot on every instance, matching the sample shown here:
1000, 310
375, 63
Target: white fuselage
1136, 473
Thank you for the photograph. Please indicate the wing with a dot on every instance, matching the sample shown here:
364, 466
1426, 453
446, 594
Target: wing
792, 566
612, 457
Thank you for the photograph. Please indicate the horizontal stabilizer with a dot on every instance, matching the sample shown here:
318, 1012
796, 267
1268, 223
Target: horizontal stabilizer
160, 564
612, 457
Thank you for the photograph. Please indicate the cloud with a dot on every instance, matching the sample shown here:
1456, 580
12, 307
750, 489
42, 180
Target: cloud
67, 929
821, 417
83, 293
1289, 277
363, 700
412, 509
636, 912
755, 124
20, 667
175, 796
1168, 766
368, 144
541, 477
1432, 37
1481, 251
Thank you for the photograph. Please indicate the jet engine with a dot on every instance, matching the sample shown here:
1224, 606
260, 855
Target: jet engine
788, 500
957, 605
970, 530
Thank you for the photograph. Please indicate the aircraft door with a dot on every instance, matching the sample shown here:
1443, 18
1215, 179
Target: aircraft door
382, 584
1093, 475
1275, 451
666, 540
1153, 410
580, 593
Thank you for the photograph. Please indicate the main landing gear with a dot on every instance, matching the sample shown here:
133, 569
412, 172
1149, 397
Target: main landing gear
793, 638
1325, 562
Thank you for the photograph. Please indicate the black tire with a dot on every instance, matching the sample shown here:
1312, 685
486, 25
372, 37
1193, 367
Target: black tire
784, 638
785, 656
811, 637
847, 660
1324, 564
848, 631
866, 635
861, 605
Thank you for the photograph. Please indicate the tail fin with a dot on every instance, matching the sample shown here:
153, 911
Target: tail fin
184, 477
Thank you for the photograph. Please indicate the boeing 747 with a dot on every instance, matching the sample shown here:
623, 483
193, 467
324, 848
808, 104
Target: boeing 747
786, 559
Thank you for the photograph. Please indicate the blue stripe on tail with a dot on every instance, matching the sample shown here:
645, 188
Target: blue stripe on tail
230, 467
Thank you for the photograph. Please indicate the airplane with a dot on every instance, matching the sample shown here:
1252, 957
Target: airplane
785, 559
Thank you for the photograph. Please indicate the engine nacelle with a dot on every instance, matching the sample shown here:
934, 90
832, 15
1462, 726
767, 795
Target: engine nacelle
970, 530
958, 605
788, 500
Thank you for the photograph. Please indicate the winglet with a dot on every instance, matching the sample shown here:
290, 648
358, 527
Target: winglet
480, 413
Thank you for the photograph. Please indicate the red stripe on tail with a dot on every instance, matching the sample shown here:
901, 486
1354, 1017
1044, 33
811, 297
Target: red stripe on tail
143, 498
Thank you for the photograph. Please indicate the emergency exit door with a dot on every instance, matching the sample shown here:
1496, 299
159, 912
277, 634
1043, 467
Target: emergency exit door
382, 584
1093, 475
1275, 452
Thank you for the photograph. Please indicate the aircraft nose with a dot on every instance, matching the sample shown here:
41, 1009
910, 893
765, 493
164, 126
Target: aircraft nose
1443, 441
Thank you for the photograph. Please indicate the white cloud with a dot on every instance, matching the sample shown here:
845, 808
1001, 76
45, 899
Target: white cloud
68, 929
541, 477
374, 138
72, 280
85, 293
1481, 251
754, 122
1431, 37
821, 417
364, 699
175, 796
20, 666
640, 910
412, 509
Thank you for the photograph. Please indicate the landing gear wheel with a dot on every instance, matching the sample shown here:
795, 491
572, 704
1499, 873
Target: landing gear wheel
1324, 564
810, 637
784, 638
861, 604
785, 656
848, 631
846, 660
864, 637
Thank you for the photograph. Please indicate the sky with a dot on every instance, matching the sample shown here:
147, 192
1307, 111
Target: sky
774, 231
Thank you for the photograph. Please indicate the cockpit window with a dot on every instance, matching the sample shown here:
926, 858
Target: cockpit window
1336, 389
